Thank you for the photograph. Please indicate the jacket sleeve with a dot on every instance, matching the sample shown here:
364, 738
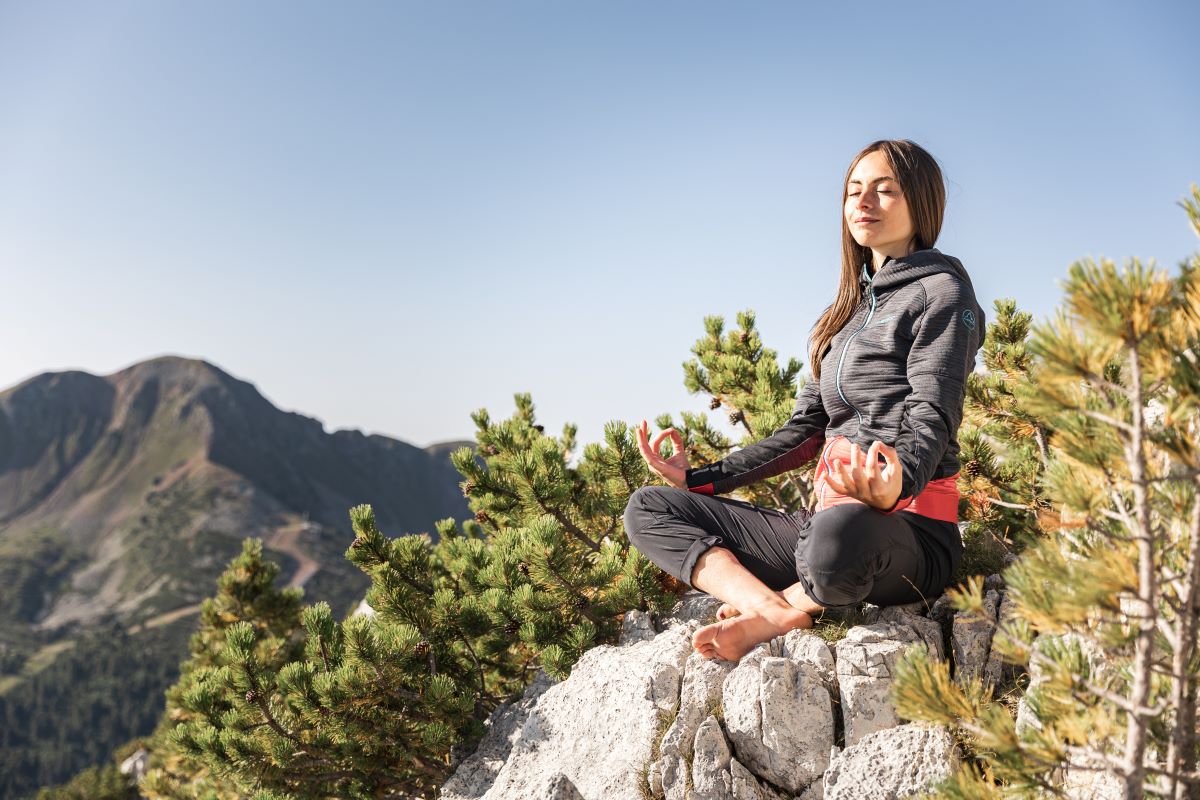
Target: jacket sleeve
793, 445
946, 337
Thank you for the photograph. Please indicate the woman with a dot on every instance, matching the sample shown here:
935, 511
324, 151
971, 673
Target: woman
882, 414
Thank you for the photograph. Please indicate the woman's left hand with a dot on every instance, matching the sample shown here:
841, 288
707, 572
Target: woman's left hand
875, 484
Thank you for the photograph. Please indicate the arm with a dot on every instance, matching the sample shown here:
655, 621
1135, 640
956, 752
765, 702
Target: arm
793, 445
942, 355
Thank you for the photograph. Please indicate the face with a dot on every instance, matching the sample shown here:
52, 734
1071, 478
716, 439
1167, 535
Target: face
876, 211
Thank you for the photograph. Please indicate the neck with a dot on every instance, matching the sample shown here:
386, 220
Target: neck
880, 256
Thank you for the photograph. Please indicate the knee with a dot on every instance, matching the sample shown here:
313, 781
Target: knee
832, 545
642, 505
636, 510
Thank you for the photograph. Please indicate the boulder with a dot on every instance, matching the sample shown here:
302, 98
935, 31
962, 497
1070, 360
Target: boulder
866, 662
596, 728
779, 713
892, 763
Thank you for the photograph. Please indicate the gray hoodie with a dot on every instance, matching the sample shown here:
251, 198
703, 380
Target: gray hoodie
896, 372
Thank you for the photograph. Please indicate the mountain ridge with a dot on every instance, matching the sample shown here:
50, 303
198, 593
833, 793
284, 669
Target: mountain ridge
150, 476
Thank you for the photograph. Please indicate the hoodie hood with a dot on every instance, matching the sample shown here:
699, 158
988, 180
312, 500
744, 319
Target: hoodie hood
917, 264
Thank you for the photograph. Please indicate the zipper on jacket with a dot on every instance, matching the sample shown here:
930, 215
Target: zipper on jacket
838, 377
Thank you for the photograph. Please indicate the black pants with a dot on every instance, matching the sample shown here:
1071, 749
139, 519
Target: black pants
842, 555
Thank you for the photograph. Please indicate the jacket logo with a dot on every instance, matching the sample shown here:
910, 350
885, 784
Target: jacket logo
885, 319
968, 318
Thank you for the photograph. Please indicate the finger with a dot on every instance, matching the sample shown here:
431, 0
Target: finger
853, 456
872, 466
848, 486
658, 440
834, 481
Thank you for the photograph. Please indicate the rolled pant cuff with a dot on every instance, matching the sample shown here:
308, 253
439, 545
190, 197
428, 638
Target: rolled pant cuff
692, 555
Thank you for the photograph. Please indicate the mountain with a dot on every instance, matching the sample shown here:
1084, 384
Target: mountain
132, 490
124, 496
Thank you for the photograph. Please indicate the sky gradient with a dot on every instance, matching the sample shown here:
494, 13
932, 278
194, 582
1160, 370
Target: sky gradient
388, 215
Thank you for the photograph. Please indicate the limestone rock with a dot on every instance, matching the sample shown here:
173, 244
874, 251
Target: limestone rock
711, 779
747, 787
701, 692
637, 626
866, 661
779, 714
596, 728
475, 774
891, 763
693, 606
561, 788
927, 629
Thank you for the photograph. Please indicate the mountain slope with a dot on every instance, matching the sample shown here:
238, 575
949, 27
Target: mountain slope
131, 491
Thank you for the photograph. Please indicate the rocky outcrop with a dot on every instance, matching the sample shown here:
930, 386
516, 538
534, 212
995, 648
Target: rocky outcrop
891, 763
795, 719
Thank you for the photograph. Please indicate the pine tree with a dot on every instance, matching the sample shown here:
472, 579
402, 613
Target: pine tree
1003, 449
246, 596
1106, 605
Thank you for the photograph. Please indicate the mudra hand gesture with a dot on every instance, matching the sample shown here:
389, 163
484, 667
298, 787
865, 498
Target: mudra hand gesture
673, 470
865, 478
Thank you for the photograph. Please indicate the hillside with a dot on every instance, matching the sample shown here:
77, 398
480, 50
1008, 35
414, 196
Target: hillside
123, 497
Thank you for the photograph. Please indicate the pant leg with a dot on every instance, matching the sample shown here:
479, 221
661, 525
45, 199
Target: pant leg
673, 527
851, 552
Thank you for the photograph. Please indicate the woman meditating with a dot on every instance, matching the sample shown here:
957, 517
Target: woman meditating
890, 357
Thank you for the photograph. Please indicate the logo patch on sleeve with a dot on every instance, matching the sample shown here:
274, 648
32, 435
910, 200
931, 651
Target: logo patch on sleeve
968, 318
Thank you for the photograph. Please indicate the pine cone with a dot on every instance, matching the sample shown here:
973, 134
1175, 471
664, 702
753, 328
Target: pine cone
482, 517
743, 336
737, 416
251, 696
971, 468
468, 487
581, 604
489, 450
539, 428
523, 568
359, 541
512, 627
422, 648
714, 404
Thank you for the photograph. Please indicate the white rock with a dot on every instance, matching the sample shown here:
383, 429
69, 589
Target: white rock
711, 779
891, 763
701, 692
779, 717
927, 629
637, 626
596, 728
866, 662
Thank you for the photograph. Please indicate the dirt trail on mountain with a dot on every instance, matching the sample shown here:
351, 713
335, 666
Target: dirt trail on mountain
287, 540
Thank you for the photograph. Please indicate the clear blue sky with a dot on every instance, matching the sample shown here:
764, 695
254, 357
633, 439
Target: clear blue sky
388, 214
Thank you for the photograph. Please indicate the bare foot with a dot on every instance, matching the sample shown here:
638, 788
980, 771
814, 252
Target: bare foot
726, 611
733, 638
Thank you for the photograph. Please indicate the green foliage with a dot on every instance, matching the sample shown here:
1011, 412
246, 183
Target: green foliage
94, 783
107, 680
32, 567
742, 376
267, 620
1106, 598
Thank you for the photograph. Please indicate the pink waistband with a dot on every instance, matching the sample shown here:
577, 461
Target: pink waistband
938, 500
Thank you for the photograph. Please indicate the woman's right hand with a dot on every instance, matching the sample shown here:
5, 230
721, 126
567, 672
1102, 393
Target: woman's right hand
673, 470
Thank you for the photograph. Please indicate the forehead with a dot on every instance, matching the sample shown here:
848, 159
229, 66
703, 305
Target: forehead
871, 168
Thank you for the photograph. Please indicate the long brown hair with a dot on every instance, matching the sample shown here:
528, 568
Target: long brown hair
921, 183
